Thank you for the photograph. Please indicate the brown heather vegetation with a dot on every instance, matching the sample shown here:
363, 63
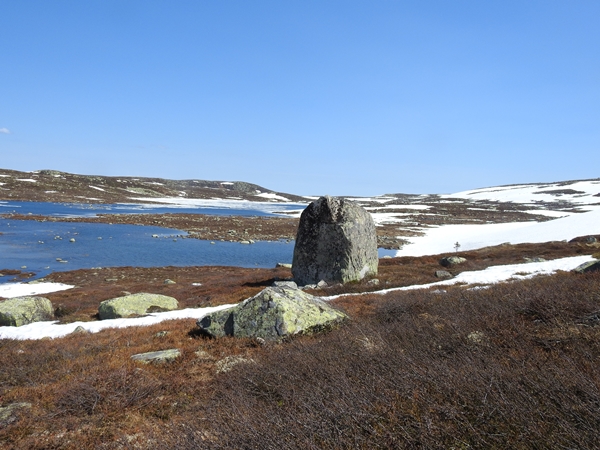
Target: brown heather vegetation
515, 365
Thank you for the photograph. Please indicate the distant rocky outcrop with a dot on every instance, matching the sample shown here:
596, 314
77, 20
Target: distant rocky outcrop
23, 310
135, 305
336, 242
273, 313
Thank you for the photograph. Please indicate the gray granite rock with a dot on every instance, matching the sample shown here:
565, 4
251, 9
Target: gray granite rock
336, 242
135, 304
23, 310
273, 313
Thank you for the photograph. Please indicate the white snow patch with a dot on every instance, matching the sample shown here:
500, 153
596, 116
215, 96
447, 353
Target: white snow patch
470, 237
10, 290
27, 179
273, 196
4, 176
532, 193
227, 183
178, 202
40, 330
97, 188
492, 275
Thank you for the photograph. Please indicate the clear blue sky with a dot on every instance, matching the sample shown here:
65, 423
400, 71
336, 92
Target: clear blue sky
308, 97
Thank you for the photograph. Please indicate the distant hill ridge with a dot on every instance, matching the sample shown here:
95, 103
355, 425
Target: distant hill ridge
57, 186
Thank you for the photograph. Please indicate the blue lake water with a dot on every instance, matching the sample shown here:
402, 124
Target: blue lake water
93, 209
45, 247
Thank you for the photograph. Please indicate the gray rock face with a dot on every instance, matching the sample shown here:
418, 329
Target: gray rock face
23, 310
590, 266
336, 242
450, 261
273, 313
135, 304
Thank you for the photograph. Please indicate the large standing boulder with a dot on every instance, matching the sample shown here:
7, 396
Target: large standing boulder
336, 242
135, 305
273, 313
23, 310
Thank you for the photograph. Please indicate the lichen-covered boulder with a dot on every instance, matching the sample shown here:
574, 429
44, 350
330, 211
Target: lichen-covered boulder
336, 242
23, 310
590, 266
135, 305
273, 313
449, 261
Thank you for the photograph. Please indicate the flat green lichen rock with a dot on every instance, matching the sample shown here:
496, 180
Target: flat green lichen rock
158, 357
135, 305
23, 310
273, 313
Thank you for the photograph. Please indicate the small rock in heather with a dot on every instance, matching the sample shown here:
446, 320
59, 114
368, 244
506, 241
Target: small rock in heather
159, 357
442, 274
135, 304
229, 362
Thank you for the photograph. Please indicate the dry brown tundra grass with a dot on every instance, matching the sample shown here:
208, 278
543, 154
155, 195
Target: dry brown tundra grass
512, 366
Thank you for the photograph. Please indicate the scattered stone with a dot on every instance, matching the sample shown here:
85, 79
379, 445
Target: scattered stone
387, 257
80, 330
212, 243
18, 311
23, 267
155, 235
245, 242
442, 274
135, 304
273, 313
322, 284
228, 363
10, 413
590, 266
286, 265
168, 281
159, 357
72, 240
590, 240
476, 337
290, 284
336, 242
202, 354
373, 282
161, 334
449, 261
535, 259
